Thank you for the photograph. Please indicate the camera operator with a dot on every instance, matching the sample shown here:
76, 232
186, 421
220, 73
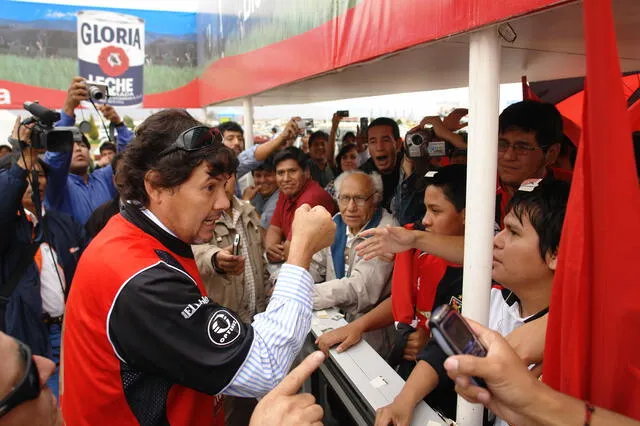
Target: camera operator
72, 189
39, 251
407, 205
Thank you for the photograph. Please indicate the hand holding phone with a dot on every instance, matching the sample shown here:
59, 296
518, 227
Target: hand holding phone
455, 336
364, 125
236, 245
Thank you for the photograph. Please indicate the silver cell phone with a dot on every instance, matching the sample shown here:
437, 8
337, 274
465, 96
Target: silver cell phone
454, 336
236, 245
305, 123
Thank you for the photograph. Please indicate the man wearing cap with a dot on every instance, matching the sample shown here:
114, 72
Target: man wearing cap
143, 344
72, 189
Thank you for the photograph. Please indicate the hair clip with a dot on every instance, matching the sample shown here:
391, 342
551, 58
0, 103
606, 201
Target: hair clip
529, 185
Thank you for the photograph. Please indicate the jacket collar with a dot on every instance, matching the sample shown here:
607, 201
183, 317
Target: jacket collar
133, 214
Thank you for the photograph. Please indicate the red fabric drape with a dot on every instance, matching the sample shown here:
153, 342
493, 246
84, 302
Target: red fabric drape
591, 348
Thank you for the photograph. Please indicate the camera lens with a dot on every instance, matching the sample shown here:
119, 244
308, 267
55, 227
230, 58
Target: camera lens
96, 93
416, 139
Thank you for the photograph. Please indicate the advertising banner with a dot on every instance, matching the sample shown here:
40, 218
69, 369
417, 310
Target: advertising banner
145, 57
227, 50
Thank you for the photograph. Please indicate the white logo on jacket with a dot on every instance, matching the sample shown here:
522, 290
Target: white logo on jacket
193, 307
223, 328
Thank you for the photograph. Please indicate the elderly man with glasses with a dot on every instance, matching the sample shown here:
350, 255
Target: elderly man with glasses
345, 280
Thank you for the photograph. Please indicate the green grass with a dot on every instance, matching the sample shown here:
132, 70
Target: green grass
53, 73
56, 73
292, 17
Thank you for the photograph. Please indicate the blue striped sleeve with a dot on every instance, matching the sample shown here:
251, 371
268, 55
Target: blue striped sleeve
279, 333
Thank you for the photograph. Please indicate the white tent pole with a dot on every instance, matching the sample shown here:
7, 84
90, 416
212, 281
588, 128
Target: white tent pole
247, 104
484, 95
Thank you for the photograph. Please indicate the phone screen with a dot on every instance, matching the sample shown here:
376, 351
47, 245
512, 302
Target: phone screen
461, 336
459, 333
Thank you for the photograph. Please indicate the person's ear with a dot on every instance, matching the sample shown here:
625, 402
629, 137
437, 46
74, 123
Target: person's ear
551, 259
551, 156
154, 191
463, 213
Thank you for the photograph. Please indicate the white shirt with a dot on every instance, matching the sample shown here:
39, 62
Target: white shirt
52, 280
504, 317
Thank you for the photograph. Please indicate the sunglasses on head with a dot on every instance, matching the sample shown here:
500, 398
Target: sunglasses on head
193, 139
28, 387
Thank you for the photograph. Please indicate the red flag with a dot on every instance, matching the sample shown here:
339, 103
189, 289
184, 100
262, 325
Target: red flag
592, 349
570, 128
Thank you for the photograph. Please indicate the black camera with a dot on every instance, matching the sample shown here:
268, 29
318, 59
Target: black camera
424, 143
44, 135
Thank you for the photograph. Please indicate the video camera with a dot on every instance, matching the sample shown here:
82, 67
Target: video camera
424, 143
44, 135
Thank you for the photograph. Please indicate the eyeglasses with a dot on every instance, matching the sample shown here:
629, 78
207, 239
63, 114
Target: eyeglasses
29, 386
520, 148
193, 139
358, 199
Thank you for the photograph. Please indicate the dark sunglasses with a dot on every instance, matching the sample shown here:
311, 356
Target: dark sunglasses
29, 386
193, 139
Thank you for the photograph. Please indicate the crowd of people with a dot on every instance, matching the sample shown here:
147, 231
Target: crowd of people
152, 290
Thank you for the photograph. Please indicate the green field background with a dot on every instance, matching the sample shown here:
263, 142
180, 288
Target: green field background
281, 20
56, 73
287, 19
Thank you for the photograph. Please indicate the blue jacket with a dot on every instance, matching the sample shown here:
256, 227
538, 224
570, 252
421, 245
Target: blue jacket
68, 193
23, 315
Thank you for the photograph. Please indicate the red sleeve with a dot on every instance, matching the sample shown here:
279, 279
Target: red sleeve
431, 270
403, 281
276, 218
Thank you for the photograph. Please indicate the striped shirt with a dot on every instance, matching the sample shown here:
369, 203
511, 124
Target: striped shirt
279, 333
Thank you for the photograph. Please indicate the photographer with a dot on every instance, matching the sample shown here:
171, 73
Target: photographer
407, 205
39, 251
73, 190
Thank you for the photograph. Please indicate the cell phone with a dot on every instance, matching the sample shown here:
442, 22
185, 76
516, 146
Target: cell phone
455, 337
343, 113
364, 125
236, 245
305, 123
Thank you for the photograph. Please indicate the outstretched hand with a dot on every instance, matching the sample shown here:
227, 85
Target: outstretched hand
383, 242
283, 406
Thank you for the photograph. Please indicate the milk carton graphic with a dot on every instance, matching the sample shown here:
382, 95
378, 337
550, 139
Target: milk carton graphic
111, 52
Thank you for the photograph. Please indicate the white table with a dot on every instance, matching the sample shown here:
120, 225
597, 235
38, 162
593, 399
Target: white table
361, 364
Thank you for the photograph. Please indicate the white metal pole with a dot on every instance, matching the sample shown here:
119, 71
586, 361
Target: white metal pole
484, 96
247, 104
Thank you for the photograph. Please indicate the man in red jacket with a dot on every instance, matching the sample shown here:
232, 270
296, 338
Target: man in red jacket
143, 344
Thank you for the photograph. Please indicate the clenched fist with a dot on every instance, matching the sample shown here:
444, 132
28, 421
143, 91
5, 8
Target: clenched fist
311, 231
